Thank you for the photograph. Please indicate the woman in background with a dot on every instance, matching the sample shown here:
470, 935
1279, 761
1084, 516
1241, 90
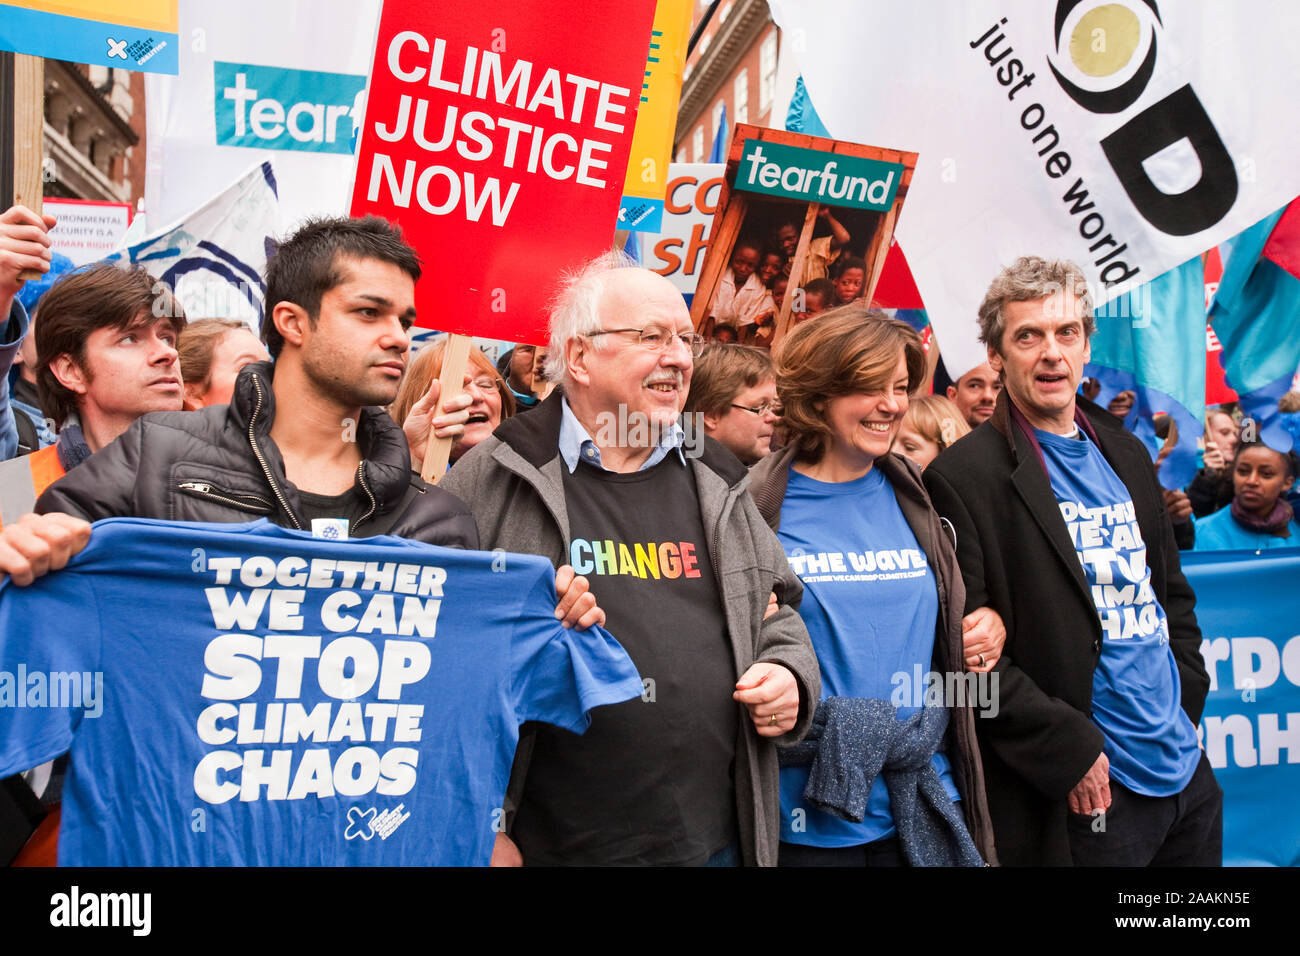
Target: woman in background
491, 400
931, 425
212, 353
1259, 515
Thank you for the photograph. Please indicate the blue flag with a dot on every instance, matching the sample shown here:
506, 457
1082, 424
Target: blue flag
1256, 315
1152, 341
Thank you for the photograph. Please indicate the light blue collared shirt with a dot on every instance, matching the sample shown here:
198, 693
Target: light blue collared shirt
575, 442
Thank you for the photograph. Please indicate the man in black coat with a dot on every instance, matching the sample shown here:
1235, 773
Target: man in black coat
1061, 528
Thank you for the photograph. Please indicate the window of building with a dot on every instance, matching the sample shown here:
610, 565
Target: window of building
697, 144
681, 154
740, 93
717, 116
767, 73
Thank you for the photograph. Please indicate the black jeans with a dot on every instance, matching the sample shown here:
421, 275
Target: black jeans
1185, 829
884, 852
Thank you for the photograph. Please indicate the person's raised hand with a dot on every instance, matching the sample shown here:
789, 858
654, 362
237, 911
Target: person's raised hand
450, 424
24, 246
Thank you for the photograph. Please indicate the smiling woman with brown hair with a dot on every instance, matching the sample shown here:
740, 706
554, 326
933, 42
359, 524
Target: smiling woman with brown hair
883, 597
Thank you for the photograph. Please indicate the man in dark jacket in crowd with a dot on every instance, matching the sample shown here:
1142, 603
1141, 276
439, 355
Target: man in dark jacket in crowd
300, 441
598, 475
1093, 758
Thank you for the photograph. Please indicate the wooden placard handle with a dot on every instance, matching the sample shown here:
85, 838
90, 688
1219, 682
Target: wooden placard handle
29, 114
452, 379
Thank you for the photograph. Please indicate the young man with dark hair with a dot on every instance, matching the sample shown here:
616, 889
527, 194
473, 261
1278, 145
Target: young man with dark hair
105, 355
301, 439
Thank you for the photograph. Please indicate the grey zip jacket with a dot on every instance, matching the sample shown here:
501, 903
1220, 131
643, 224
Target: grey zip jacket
513, 483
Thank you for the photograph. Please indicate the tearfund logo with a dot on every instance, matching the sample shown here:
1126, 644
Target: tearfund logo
815, 176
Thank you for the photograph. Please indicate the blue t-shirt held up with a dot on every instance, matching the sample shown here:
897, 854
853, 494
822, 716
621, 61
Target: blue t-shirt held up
250, 695
871, 606
1136, 693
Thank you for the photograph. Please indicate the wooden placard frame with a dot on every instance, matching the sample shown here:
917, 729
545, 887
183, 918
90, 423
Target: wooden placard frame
733, 206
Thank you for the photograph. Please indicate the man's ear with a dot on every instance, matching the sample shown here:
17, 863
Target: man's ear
292, 322
952, 393
70, 375
1087, 351
995, 360
710, 421
577, 351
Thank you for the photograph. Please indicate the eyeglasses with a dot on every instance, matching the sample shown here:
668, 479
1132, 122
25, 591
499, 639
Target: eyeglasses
658, 339
761, 410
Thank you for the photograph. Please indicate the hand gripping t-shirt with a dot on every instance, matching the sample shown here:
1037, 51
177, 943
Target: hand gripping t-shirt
871, 607
1136, 693
250, 695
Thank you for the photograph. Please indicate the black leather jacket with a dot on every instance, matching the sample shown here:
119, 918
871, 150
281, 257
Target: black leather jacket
220, 464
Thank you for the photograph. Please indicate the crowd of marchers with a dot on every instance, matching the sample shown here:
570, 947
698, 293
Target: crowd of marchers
931, 533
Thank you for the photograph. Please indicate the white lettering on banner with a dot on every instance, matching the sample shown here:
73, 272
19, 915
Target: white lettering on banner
1258, 739
261, 594
476, 135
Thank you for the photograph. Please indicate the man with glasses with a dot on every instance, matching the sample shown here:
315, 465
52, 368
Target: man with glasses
693, 583
733, 391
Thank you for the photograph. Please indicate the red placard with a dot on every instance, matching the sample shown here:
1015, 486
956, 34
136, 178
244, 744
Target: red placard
497, 137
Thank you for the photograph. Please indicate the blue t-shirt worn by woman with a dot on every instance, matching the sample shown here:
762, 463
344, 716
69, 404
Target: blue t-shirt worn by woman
871, 606
1221, 532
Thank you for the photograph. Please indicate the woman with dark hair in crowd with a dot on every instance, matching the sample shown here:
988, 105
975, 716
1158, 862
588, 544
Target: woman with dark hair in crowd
212, 353
1259, 515
492, 400
883, 602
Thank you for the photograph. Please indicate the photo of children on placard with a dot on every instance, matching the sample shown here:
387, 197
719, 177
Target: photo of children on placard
757, 278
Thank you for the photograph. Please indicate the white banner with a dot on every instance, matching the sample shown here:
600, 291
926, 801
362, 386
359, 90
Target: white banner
214, 259
87, 230
1126, 135
283, 78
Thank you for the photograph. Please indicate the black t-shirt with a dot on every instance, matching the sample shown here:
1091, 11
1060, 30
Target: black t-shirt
352, 504
652, 780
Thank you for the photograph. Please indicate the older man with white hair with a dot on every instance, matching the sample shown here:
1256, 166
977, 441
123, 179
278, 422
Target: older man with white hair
692, 580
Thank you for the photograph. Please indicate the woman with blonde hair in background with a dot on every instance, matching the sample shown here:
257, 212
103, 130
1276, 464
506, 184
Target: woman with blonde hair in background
931, 425
212, 353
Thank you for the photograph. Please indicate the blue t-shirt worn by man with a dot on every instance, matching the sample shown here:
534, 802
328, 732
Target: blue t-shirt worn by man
250, 695
871, 606
1136, 693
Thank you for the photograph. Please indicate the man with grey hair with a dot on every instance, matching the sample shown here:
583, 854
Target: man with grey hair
1093, 757
693, 582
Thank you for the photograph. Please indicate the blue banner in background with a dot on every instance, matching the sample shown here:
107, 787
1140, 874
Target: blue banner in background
1248, 607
